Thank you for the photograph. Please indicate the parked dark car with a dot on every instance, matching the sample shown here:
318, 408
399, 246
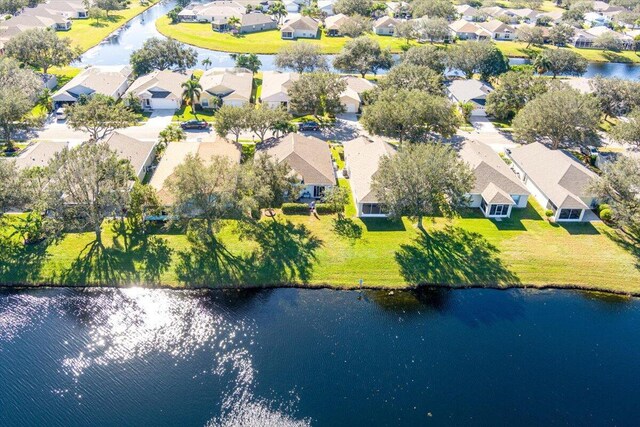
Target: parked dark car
195, 124
313, 126
589, 150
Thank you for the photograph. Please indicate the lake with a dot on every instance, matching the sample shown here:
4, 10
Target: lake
117, 49
291, 357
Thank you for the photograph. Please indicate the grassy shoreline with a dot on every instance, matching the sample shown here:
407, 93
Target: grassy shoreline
269, 42
523, 252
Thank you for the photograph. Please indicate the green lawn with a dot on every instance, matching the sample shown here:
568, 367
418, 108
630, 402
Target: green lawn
86, 33
515, 49
184, 114
523, 251
266, 42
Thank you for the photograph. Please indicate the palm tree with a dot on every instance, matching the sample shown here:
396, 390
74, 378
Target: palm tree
191, 91
541, 64
279, 10
233, 22
206, 62
45, 100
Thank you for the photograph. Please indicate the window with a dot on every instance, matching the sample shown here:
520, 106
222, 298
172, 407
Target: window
205, 103
483, 205
499, 210
569, 214
287, 34
372, 209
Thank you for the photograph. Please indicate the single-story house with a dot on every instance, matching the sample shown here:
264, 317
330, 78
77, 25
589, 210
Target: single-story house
232, 87
399, 9
291, 6
626, 41
26, 21
49, 18
385, 26
556, 179
216, 12
582, 39
159, 90
470, 90
309, 159
333, 23
69, 9
555, 16
39, 154
498, 29
602, 7
302, 27
497, 189
526, 15
256, 21
465, 30
112, 81
469, 13
177, 152
594, 19
275, 88
497, 12
326, 7
351, 97
139, 153
362, 159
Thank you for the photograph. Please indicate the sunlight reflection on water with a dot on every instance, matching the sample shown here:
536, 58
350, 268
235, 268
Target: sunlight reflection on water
134, 323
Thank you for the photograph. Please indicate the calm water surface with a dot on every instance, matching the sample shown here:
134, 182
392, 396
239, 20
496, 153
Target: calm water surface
117, 49
317, 357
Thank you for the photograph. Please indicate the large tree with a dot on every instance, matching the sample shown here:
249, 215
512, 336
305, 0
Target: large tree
434, 9
561, 34
99, 115
208, 190
270, 181
19, 89
608, 41
481, 57
110, 5
426, 56
434, 29
191, 90
560, 117
301, 57
250, 61
11, 187
513, 90
617, 96
233, 120
530, 34
425, 180
41, 48
410, 115
356, 26
619, 185
409, 76
317, 94
353, 7
363, 55
89, 184
11, 7
560, 61
264, 119
628, 130
162, 54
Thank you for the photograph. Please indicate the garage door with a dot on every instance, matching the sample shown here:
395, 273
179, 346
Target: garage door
164, 104
351, 108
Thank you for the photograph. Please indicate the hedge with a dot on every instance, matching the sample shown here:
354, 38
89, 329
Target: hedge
295, 208
324, 209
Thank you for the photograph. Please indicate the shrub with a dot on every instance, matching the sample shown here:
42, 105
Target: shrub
605, 215
325, 209
295, 208
548, 213
603, 206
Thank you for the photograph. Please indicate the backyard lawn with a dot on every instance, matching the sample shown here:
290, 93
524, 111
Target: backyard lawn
523, 251
265, 42
86, 33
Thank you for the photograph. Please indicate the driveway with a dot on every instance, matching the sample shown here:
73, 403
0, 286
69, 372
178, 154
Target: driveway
485, 132
147, 131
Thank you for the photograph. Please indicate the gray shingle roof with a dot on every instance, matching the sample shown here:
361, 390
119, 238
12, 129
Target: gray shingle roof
362, 157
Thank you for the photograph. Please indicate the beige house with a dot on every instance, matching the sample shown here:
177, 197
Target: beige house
159, 90
385, 26
111, 81
557, 180
139, 153
275, 88
333, 23
309, 158
301, 27
231, 87
466, 30
498, 29
217, 12
362, 158
497, 189
472, 91
351, 97
39, 154
177, 152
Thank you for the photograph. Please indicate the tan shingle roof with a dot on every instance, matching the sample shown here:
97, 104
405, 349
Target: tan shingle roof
275, 85
561, 178
165, 80
493, 177
39, 154
386, 21
224, 83
136, 151
309, 157
301, 23
362, 157
100, 79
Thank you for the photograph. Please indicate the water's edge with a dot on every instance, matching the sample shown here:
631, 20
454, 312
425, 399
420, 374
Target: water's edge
335, 287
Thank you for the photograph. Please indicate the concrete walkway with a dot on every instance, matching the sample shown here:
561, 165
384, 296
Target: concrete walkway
485, 131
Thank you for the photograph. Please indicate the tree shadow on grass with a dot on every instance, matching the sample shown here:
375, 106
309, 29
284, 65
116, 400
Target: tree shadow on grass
286, 252
627, 243
452, 256
20, 263
578, 228
615, 57
347, 228
383, 224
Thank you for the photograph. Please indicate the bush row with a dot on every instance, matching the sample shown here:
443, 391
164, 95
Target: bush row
303, 209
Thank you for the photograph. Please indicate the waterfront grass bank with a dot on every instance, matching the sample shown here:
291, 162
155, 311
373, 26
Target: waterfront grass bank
524, 251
